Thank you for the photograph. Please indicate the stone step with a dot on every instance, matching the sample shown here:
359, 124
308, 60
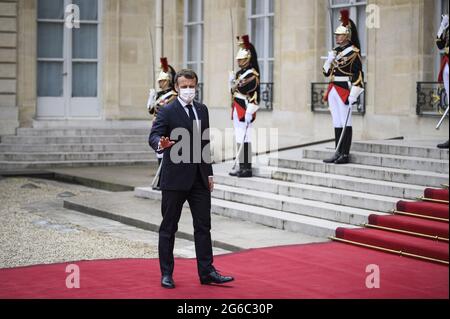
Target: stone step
304, 207
82, 131
422, 178
89, 156
311, 192
394, 148
268, 217
385, 160
376, 187
119, 139
73, 148
24, 166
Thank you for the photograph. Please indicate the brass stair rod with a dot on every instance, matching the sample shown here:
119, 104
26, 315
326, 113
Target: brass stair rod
406, 232
432, 200
420, 216
397, 252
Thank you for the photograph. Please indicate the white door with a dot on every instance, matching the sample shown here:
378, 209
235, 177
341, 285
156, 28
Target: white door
67, 64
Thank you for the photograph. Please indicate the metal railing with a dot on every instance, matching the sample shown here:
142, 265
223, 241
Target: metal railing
318, 105
267, 96
431, 99
199, 93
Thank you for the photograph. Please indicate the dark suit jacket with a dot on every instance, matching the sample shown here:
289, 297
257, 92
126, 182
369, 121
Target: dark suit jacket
180, 176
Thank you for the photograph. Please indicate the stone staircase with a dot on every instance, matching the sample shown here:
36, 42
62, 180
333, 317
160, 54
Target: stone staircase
43, 148
296, 191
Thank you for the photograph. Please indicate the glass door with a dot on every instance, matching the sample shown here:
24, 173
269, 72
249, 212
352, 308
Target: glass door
67, 64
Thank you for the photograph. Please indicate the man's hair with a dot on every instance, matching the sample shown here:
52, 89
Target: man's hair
186, 73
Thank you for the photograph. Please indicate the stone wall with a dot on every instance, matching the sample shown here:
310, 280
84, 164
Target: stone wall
399, 53
8, 67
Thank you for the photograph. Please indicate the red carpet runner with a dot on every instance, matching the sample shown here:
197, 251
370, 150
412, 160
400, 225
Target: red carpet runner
425, 233
329, 270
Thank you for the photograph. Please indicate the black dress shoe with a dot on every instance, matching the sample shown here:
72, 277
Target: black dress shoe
167, 282
215, 278
444, 145
343, 159
333, 159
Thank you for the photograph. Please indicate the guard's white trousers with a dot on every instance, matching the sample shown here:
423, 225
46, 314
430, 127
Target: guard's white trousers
239, 130
339, 110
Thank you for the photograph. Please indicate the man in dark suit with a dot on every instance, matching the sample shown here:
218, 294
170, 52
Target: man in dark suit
181, 132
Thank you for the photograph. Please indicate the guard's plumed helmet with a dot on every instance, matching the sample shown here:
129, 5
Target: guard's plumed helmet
167, 72
247, 52
244, 52
348, 28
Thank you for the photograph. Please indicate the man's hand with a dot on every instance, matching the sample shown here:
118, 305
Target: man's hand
165, 143
211, 183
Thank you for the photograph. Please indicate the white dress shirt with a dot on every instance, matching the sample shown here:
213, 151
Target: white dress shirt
183, 104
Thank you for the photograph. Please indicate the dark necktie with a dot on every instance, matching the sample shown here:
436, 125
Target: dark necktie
192, 118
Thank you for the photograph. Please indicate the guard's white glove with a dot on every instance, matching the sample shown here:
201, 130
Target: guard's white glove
444, 25
352, 101
330, 59
248, 118
355, 92
151, 98
231, 80
331, 56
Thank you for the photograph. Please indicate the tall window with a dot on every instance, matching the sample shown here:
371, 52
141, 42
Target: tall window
357, 10
261, 25
193, 36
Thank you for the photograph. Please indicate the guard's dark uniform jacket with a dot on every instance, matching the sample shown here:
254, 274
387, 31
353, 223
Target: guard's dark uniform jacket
346, 71
162, 99
247, 91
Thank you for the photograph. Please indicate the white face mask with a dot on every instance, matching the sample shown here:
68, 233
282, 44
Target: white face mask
187, 95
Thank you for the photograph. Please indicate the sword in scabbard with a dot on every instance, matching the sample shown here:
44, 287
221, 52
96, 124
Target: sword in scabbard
442, 119
158, 173
341, 138
241, 147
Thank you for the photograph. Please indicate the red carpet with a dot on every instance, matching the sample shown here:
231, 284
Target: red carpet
399, 242
441, 194
411, 224
330, 270
424, 208
417, 241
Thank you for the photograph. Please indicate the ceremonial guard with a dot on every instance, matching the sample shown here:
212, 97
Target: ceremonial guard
165, 94
442, 42
344, 67
245, 90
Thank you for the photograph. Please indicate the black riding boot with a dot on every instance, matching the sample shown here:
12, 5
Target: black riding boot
337, 136
346, 145
247, 167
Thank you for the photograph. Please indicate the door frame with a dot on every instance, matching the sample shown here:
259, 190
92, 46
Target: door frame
45, 105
